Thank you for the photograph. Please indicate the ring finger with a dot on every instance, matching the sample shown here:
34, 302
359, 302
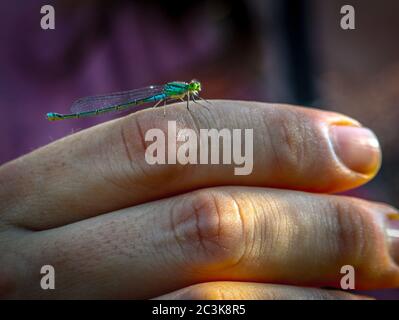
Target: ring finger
226, 233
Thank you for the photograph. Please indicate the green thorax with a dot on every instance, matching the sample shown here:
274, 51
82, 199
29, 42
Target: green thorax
176, 88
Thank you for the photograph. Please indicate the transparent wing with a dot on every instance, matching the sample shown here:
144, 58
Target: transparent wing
104, 101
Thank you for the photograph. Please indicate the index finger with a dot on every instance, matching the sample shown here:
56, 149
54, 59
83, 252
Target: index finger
105, 168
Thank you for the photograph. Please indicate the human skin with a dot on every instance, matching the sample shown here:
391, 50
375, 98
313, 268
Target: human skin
114, 226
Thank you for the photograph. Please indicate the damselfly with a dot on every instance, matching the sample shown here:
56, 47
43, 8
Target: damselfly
96, 105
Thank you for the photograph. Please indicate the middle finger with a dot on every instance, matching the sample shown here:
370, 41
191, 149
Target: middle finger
104, 168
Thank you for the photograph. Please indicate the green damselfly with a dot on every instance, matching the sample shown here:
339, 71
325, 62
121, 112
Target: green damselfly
96, 105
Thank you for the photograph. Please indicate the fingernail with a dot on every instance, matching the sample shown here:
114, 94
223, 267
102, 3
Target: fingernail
357, 148
392, 230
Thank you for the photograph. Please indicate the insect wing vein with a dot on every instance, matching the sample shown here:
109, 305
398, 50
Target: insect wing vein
100, 102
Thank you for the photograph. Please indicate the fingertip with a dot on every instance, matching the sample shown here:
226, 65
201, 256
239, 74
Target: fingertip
357, 148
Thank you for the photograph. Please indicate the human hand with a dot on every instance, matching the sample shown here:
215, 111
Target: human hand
114, 226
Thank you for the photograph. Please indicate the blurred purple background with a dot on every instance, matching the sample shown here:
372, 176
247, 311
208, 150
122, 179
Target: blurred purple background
280, 51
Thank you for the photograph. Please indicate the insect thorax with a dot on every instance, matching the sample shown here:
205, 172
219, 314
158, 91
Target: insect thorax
176, 88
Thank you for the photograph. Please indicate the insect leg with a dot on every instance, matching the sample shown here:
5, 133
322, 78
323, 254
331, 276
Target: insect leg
157, 104
197, 95
196, 101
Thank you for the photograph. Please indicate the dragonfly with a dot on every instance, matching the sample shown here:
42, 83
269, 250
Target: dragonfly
97, 105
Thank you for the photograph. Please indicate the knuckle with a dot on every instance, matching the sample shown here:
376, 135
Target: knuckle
135, 138
355, 228
291, 140
132, 138
209, 229
129, 129
121, 156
